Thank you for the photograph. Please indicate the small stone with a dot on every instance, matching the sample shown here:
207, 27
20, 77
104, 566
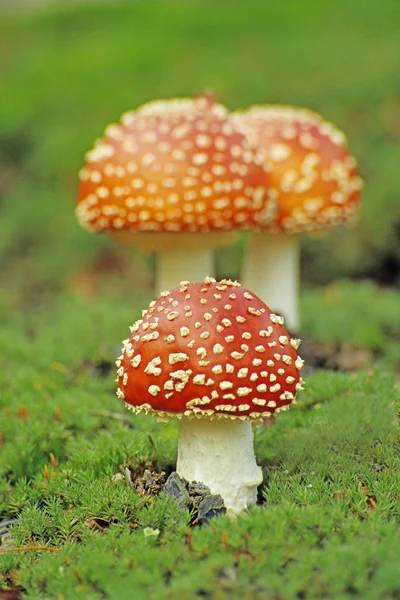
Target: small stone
128, 475
5, 525
175, 488
148, 478
199, 488
6, 540
211, 506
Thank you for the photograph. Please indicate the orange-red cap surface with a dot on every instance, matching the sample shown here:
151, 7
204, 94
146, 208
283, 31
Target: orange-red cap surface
211, 350
175, 165
311, 173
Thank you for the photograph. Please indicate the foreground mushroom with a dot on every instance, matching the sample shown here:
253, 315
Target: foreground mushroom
174, 177
316, 184
213, 355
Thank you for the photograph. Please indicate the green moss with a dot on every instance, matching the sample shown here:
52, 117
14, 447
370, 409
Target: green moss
330, 508
359, 314
328, 523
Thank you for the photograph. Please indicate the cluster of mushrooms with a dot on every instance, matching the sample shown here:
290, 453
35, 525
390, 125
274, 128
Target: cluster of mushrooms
181, 177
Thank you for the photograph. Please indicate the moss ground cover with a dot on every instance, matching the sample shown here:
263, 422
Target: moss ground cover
328, 519
327, 522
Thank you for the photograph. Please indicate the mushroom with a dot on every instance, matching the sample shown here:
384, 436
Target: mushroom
316, 184
174, 177
213, 355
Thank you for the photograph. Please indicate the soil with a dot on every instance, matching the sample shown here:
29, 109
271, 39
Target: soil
335, 356
192, 496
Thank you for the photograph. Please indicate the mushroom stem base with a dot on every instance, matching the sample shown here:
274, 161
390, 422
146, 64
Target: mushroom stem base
220, 454
271, 270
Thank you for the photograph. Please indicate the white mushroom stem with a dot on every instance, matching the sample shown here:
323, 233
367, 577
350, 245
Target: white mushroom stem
271, 270
220, 454
180, 256
177, 264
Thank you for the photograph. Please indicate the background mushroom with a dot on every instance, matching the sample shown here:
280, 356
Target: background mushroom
174, 177
213, 355
316, 184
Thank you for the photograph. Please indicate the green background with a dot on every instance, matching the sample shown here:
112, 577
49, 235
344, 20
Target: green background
329, 524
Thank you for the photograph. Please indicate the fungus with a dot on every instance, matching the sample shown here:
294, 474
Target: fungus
174, 177
316, 185
213, 355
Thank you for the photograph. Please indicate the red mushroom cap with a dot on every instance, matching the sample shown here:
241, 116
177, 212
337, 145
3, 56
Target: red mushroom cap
175, 165
209, 349
312, 175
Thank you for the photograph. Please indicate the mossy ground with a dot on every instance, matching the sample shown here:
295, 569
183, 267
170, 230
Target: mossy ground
327, 525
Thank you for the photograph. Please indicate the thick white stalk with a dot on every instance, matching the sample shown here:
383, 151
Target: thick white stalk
220, 454
179, 264
180, 256
271, 270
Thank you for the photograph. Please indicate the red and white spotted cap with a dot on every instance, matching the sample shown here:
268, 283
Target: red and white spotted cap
174, 166
313, 177
212, 350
